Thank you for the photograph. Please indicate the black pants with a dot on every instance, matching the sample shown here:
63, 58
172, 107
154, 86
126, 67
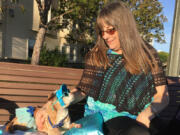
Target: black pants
124, 126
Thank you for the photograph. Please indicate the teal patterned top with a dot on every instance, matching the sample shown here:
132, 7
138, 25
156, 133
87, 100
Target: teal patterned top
108, 110
127, 92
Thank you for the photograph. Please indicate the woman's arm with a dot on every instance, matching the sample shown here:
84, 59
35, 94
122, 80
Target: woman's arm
161, 100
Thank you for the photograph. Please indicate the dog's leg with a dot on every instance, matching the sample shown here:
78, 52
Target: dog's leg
14, 125
10, 126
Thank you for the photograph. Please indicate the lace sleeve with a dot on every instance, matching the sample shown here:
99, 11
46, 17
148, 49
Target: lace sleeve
159, 75
90, 79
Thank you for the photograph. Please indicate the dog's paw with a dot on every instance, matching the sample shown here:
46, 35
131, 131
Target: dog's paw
74, 125
78, 126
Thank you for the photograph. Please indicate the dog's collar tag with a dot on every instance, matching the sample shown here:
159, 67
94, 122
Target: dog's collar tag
63, 91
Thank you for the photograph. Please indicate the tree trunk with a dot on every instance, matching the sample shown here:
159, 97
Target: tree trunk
38, 45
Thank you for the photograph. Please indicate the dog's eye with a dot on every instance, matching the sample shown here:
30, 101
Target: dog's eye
66, 94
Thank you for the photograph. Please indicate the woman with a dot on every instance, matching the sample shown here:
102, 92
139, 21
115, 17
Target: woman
123, 77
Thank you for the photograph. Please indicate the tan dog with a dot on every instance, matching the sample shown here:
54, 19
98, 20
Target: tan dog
52, 118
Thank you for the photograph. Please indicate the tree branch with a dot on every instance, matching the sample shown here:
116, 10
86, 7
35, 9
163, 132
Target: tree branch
47, 5
58, 17
39, 6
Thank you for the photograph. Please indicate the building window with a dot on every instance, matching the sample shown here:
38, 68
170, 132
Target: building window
31, 43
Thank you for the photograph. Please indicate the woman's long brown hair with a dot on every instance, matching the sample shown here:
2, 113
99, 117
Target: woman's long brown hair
137, 55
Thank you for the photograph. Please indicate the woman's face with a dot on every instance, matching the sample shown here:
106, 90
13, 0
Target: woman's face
110, 36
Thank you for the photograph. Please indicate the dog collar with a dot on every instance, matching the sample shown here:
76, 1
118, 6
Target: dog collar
63, 91
60, 124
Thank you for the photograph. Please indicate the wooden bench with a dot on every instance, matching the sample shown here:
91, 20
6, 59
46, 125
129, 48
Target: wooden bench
22, 85
174, 94
166, 123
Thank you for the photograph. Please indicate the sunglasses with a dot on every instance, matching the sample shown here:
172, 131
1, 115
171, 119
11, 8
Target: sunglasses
108, 31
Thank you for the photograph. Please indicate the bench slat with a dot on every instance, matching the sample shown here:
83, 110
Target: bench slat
4, 117
24, 92
45, 74
20, 104
38, 68
13, 85
37, 80
28, 86
32, 99
3, 112
173, 80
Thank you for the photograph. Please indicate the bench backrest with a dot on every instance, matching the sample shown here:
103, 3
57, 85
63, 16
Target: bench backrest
24, 85
174, 94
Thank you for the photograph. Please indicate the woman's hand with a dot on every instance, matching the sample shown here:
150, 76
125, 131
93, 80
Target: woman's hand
78, 95
161, 99
144, 119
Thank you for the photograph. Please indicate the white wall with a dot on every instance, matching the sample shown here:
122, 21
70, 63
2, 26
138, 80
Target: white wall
17, 30
1, 40
21, 28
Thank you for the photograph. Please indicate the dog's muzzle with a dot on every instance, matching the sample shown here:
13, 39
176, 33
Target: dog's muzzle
62, 92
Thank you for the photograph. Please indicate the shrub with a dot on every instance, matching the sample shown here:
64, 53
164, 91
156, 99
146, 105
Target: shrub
163, 56
52, 57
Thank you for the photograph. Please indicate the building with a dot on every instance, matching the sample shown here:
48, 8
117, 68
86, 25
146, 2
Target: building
18, 33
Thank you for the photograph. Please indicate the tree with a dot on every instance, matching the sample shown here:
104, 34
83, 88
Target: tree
149, 18
147, 13
81, 21
43, 8
62, 17
163, 56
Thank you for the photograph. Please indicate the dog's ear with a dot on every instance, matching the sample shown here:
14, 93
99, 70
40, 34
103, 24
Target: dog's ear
51, 95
